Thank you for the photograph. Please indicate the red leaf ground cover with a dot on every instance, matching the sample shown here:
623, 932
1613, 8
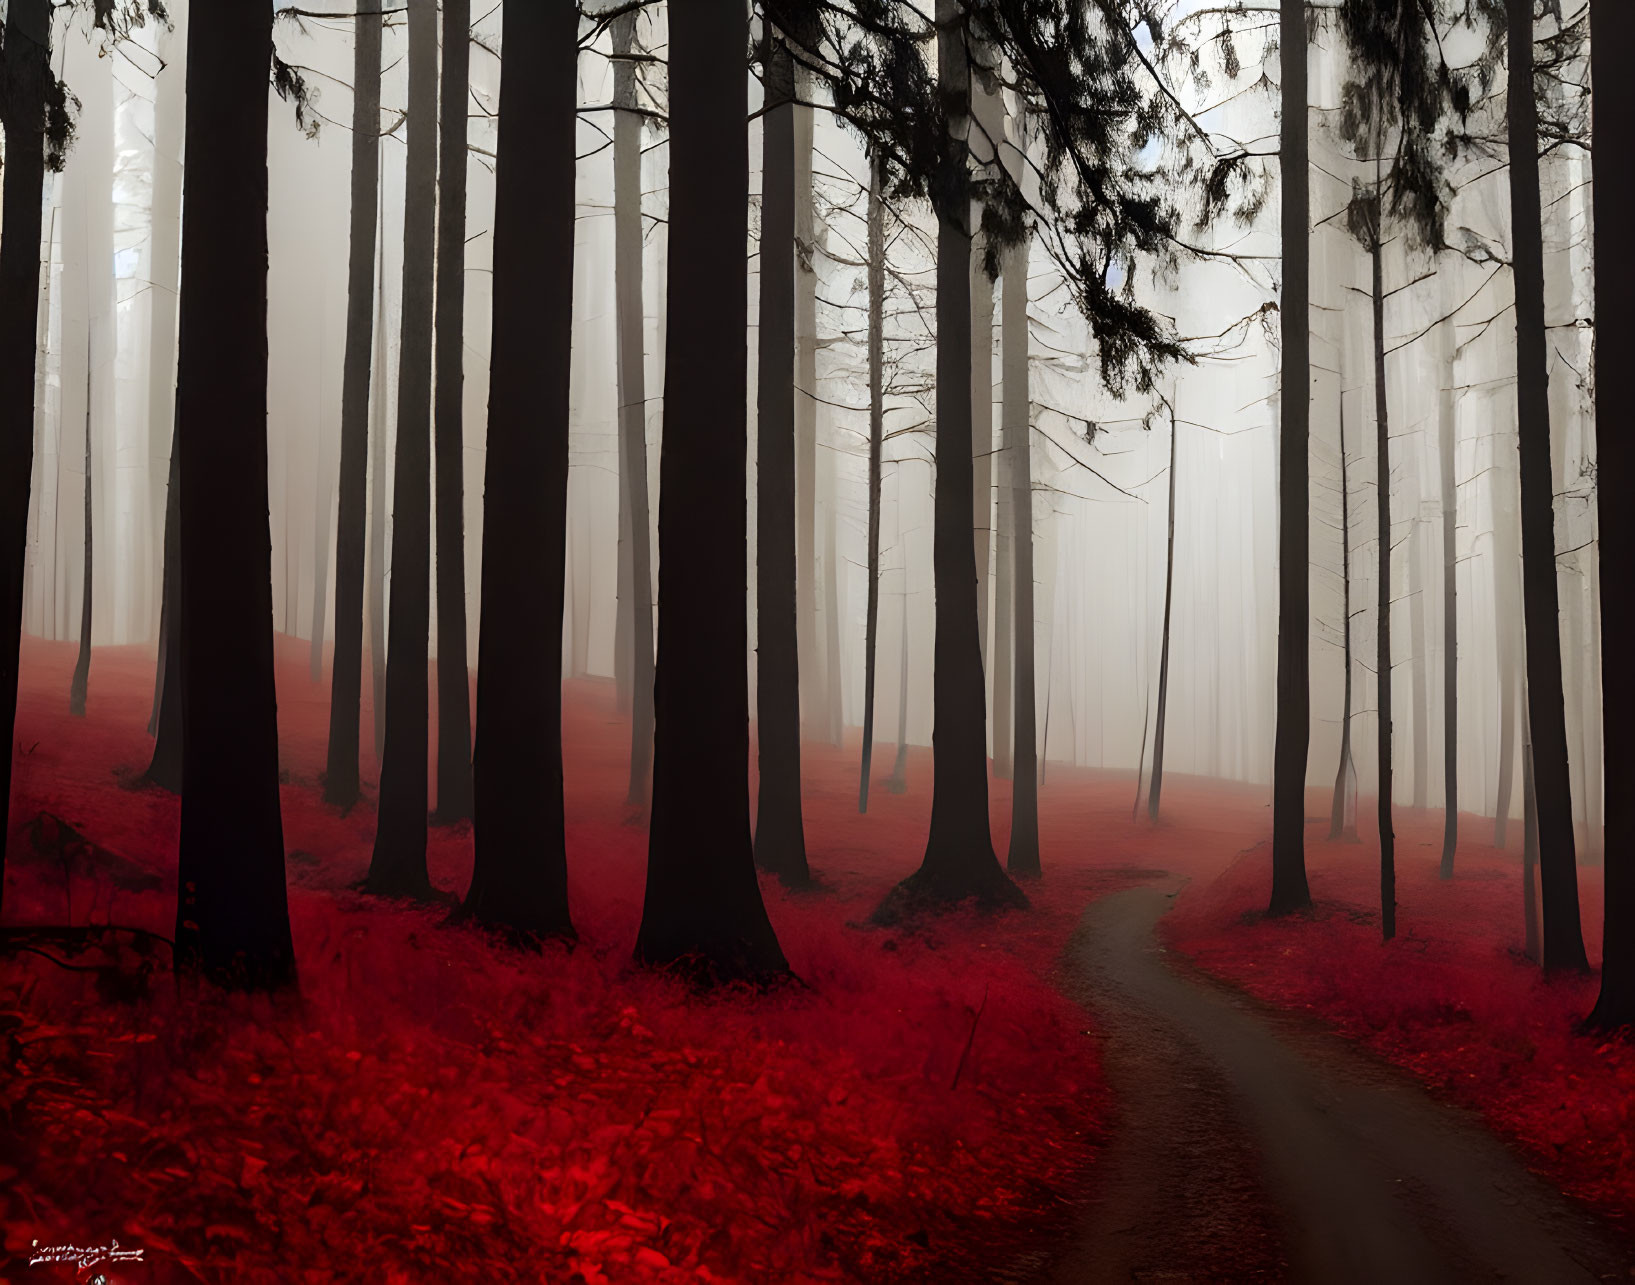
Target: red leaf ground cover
436, 1108
1452, 999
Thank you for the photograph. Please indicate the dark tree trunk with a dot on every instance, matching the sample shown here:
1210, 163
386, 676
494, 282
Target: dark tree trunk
1447, 445
1506, 564
232, 916
1156, 789
27, 73
877, 417
1612, 35
398, 866
1546, 704
82, 667
1015, 419
1342, 821
814, 700
520, 879
165, 769
703, 908
1529, 858
379, 473
1289, 890
346, 670
780, 837
959, 854
632, 356
1382, 653
453, 674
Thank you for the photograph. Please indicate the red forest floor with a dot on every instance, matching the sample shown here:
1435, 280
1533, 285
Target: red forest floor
434, 1108
1452, 998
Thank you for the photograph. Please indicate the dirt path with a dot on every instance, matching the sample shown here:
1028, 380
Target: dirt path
1247, 1147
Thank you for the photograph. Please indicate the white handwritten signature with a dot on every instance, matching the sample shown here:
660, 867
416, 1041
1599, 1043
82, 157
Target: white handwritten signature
83, 1256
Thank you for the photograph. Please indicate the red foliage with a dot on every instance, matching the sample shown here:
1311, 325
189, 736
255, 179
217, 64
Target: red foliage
1452, 999
434, 1107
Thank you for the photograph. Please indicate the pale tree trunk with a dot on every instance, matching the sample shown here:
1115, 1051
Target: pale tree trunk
1342, 823
1447, 445
877, 290
379, 474
832, 605
633, 501
82, 668
897, 783
1421, 638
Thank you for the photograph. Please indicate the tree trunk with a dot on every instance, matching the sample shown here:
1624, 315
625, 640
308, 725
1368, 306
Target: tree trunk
453, 673
520, 877
346, 669
814, 700
1447, 444
1420, 637
959, 855
1289, 889
1506, 560
703, 909
1382, 652
82, 667
780, 837
833, 686
1157, 786
398, 866
1023, 859
322, 509
1529, 858
379, 471
897, 782
1546, 705
1612, 33
27, 73
877, 419
1342, 822
165, 768
232, 916
982, 496
627, 270
164, 271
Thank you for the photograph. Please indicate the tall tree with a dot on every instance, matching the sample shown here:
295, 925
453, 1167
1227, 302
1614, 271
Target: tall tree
959, 856
780, 837
1015, 420
232, 915
1293, 743
814, 699
1156, 788
1342, 821
877, 419
1563, 941
1447, 446
346, 670
453, 673
703, 907
398, 866
1612, 34
35, 120
632, 374
520, 878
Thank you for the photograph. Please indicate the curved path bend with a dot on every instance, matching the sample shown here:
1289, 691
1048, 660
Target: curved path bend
1246, 1146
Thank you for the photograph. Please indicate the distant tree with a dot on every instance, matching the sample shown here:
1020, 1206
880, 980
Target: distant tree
346, 670
1156, 788
453, 673
1563, 942
1293, 737
877, 418
82, 666
398, 866
520, 879
1447, 443
703, 909
780, 839
232, 918
1612, 36
636, 649
34, 115
1394, 103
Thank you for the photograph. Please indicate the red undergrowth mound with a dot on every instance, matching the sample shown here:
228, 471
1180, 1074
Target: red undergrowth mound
435, 1108
1452, 999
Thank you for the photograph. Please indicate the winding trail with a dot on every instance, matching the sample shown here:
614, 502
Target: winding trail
1247, 1146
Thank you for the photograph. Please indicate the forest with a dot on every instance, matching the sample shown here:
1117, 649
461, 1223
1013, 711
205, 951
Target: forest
816, 641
